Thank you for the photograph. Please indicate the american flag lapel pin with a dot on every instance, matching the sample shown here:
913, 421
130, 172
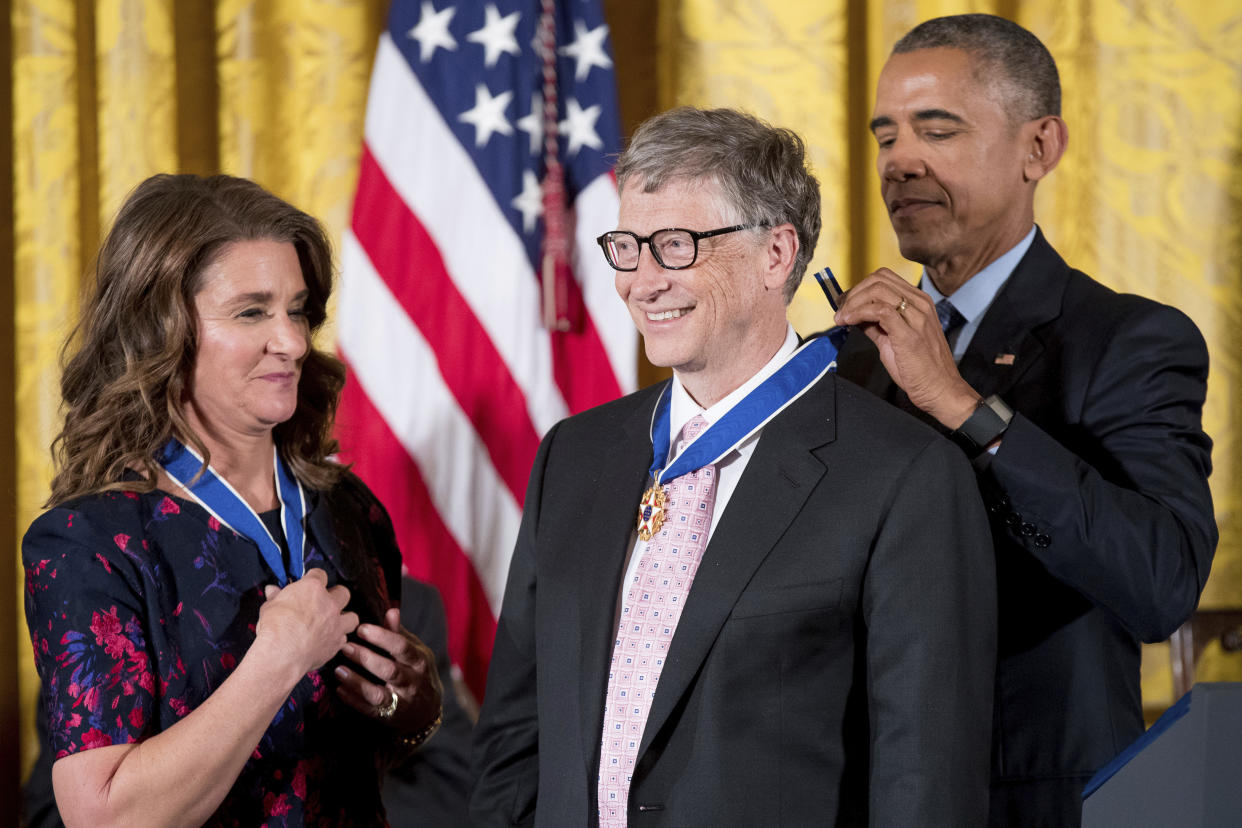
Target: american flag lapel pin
1004, 359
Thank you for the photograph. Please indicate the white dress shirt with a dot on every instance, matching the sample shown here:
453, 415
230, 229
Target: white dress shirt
975, 296
682, 409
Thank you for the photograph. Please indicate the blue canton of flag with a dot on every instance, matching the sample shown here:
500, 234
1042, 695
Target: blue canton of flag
481, 66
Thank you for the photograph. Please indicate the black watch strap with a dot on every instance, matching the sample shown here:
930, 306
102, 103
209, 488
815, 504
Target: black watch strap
989, 421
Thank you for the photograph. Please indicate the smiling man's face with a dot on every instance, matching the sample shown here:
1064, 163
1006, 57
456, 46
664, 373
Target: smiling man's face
713, 322
951, 161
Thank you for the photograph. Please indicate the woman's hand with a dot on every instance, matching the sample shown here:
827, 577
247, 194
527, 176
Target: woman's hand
181, 775
304, 623
408, 669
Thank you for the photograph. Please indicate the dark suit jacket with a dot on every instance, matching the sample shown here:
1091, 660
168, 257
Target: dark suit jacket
1101, 515
833, 663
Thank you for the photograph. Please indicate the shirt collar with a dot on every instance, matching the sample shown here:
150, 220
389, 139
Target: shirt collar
975, 295
683, 408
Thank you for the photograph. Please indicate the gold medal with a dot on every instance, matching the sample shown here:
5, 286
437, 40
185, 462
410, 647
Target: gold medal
651, 512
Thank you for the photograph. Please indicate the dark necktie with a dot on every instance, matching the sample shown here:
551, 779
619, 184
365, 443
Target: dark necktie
951, 321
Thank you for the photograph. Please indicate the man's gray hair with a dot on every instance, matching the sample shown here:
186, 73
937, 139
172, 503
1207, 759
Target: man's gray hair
760, 170
1004, 52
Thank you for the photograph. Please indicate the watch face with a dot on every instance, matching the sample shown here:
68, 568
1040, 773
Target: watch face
997, 405
984, 425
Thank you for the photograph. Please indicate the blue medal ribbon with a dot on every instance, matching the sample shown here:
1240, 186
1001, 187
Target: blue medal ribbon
803, 369
214, 494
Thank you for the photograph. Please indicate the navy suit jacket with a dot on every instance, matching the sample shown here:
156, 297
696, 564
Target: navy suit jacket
1101, 516
832, 666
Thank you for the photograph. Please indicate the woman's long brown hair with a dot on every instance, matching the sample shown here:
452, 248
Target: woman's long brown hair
128, 360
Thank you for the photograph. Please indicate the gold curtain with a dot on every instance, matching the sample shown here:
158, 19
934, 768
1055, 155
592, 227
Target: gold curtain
107, 92
1148, 198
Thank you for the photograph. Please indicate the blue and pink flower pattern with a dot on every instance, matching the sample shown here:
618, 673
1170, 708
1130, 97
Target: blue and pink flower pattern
140, 605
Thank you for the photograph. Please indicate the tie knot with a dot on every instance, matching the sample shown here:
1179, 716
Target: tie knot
693, 428
950, 318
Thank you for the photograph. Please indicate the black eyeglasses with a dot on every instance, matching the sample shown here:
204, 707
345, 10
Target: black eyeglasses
674, 248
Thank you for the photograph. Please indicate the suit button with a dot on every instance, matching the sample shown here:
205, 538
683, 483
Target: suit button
1027, 529
1043, 541
1014, 521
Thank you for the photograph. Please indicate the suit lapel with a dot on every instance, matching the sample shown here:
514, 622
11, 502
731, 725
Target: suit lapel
1004, 347
1008, 343
778, 479
611, 521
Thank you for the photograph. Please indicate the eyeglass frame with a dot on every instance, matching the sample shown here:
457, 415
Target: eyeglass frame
695, 236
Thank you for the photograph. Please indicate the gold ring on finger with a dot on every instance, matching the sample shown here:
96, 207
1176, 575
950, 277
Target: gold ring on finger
901, 307
385, 711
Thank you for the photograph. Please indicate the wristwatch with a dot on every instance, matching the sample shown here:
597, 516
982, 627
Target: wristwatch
989, 421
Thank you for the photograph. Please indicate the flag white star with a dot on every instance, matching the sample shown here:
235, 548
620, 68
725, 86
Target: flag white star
488, 114
432, 31
497, 35
587, 49
529, 202
579, 125
532, 124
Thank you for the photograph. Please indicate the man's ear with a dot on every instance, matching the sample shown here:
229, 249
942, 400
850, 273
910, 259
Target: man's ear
1045, 140
781, 251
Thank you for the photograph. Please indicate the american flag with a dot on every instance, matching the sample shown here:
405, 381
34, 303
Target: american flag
453, 376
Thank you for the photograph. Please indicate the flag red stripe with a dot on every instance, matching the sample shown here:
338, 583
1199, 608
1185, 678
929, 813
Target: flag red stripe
580, 362
410, 264
427, 547
580, 365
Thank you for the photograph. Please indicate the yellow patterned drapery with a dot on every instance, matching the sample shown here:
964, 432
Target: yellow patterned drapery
106, 92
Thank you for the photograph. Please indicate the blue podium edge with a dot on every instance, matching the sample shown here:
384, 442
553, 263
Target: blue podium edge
1179, 709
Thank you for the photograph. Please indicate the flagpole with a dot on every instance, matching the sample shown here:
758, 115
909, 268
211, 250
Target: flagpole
554, 273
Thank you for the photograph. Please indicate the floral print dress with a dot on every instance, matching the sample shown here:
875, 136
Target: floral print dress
140, 605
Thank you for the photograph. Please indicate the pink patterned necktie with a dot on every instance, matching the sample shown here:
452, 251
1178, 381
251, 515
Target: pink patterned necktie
653, 605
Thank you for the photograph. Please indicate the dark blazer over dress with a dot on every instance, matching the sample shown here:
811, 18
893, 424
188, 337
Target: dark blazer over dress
140, 605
